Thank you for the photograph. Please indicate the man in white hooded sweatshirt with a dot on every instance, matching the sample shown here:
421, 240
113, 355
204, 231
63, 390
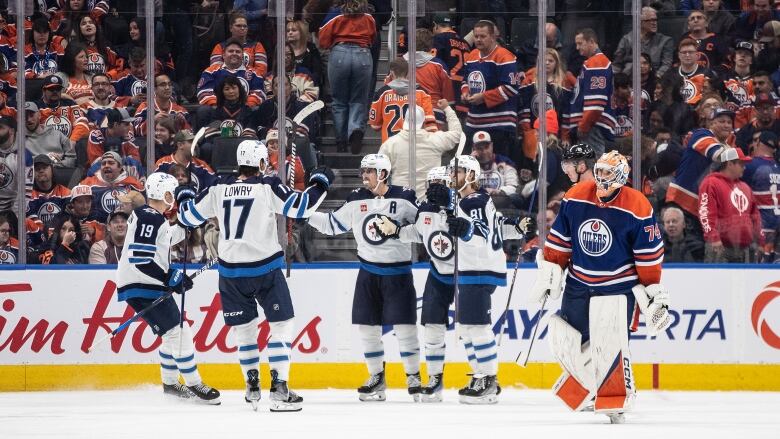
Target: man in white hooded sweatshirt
429, 147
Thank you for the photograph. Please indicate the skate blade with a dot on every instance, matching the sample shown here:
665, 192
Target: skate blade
372, 397
415, 397
435, 397
215, 401
282, 406
616, 418
481, 400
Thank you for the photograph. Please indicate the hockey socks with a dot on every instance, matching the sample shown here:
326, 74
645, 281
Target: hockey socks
279, 348
177, 343
409, 345
434, 348
373, 348
248, 354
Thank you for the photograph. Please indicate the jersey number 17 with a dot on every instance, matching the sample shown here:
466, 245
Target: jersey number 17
227, 206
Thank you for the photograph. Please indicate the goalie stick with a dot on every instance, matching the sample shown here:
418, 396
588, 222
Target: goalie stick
210, 263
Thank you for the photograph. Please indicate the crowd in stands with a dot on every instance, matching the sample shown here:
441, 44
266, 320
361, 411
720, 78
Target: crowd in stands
709, 106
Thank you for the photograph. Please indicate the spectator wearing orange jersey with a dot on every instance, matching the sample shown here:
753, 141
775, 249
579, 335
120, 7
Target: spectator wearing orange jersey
390, 104
108, 184
100, 57
61, 113
80, 207
115, 136
164, 105
77, 81
254, 58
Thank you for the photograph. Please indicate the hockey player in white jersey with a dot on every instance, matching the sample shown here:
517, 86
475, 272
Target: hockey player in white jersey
384, 291
481, 268
144, 274
251, 259
430, 228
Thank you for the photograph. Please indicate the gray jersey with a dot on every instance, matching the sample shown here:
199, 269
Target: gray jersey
246, 211
143, 267
360, 213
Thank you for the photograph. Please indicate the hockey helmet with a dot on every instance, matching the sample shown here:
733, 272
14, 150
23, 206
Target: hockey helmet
251, 153
579, 151
158, 183
439, 173
611, 171
469, 163
380, 162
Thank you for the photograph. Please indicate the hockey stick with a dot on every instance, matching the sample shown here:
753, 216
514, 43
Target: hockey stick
199, 135
519, 253
307, 110
533, 337
461, 144
210, 263
455, 240
184, 272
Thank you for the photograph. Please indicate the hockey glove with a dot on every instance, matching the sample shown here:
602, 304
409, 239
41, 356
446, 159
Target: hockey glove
322, 177
178, 281
441, 196
527, 227
460, 228
549, 279
184, 193
654, 302
387, 228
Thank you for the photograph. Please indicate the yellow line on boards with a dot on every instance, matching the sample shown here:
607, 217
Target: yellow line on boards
14, 378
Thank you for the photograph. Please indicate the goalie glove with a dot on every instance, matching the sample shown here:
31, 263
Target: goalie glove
549, 279
654, 302
387, 228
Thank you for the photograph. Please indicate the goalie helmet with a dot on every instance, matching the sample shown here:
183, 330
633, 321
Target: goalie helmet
380, 162
158, 183
439, 173
611, 171
251, 153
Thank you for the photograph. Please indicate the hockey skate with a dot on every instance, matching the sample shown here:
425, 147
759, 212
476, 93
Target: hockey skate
482, 390
616, 418
463, 390
374, 388
205, 394
177, 391
433, 391
252, 388
282, 398
414, 384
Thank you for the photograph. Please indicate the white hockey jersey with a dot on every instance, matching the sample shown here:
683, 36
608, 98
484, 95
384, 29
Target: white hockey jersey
359, 213
481, 259
246, 211
144, 264
430, 228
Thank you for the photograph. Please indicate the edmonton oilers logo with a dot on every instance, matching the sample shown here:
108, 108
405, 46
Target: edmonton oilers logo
595, 237
95, 63
688, 90
138, 88
476, 82
109, 201
48, 211
7, 257
440, 246
371, 230
61, 124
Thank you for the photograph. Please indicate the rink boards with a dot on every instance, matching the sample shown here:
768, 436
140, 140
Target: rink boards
726, 334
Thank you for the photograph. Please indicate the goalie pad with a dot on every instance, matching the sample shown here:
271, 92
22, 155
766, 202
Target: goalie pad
576, 386
653, 300
615, 389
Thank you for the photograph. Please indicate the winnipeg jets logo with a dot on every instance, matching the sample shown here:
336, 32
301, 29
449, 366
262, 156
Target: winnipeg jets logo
371, 230
440, 245
595, 237
476, 82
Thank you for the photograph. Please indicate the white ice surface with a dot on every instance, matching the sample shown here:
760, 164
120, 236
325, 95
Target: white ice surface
145, 413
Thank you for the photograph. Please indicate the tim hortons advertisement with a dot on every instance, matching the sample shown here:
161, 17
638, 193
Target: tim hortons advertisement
54, 316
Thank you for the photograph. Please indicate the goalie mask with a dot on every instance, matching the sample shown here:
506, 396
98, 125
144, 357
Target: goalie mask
468, 164
611, 173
